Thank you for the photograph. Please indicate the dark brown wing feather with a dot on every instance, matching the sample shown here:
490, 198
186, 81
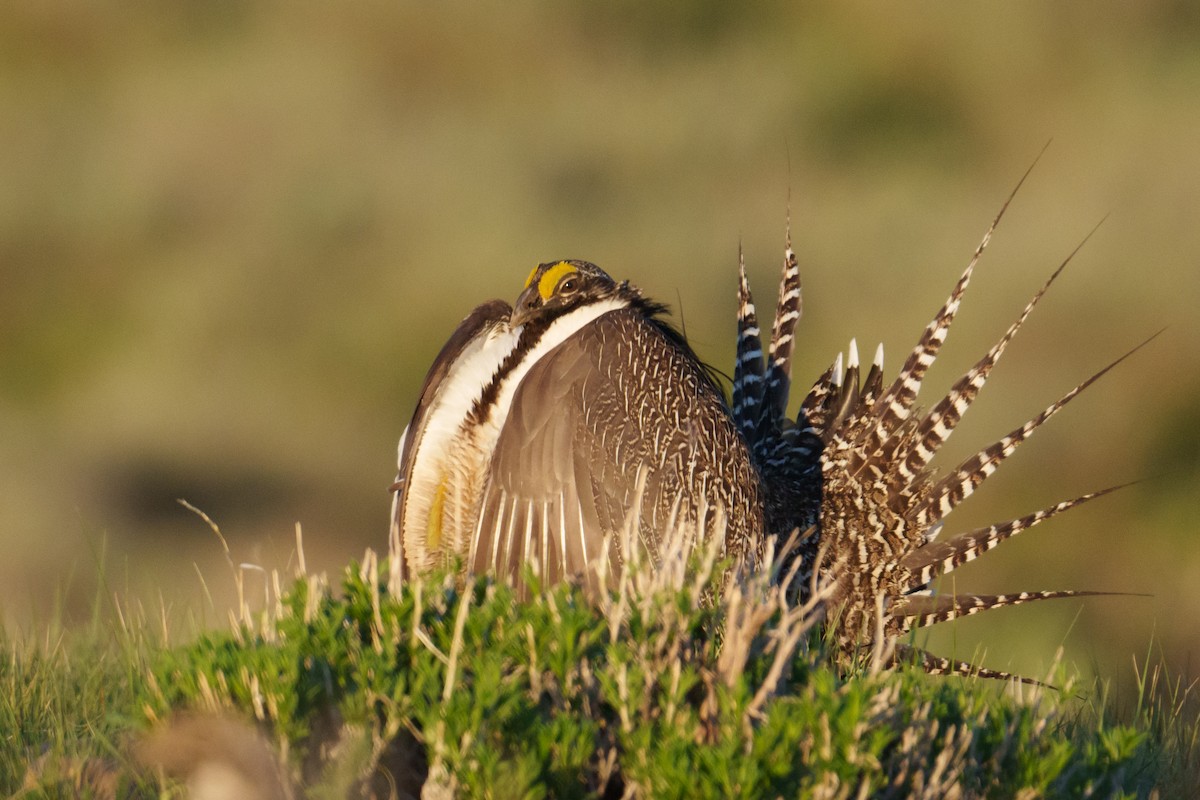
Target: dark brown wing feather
615, 401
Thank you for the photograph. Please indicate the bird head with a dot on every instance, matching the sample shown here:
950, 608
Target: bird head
556, 287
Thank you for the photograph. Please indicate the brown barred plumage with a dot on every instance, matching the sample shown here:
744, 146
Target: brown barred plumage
882, 506
748, 368
543, 430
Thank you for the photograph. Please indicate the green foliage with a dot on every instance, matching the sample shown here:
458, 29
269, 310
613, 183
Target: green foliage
65, 713
562, 695
649, 689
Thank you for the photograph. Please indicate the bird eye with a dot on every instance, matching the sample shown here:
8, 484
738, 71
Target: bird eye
568, 286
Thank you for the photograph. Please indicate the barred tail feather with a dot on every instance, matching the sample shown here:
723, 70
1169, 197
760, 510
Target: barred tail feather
967, 477
872, 385
938, 558
897, 401
815, 408
922, 610
838, 395
748, 371
935, 428
880, 506
936, 665
848, 400
787, 314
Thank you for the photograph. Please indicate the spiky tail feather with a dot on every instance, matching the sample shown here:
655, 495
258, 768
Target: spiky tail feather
787, 314
786, 455
968, 475
748, 370
929, 610
936, 665
940, 557
936, 427
897, 401
881, 506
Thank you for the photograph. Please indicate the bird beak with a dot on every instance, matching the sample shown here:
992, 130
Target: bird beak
529, 302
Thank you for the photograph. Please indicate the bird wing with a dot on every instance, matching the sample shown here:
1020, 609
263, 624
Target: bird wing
578, 440
464, 337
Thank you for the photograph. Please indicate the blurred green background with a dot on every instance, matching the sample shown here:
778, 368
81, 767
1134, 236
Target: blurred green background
234, 234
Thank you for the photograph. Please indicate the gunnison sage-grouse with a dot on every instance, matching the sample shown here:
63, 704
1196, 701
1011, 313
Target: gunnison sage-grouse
544, 428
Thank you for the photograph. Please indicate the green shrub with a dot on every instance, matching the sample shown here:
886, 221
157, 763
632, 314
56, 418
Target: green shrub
646, 690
